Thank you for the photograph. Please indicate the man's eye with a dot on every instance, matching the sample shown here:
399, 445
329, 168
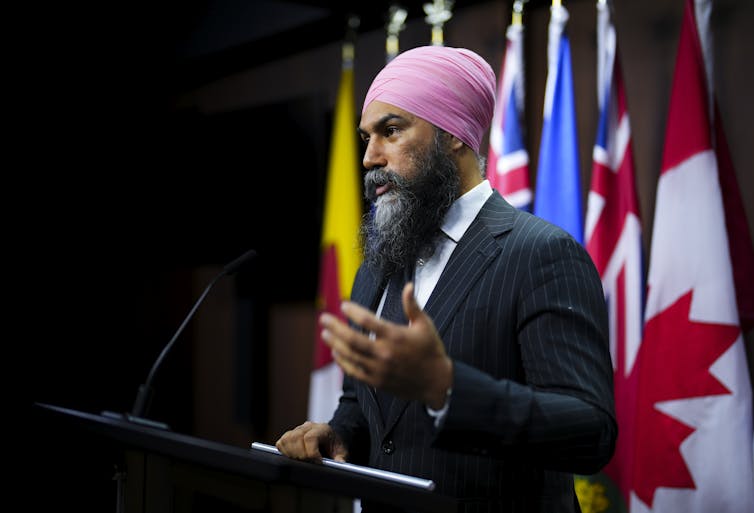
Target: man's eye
391, 130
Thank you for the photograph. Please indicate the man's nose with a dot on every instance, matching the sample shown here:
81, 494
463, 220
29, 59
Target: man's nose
374, 155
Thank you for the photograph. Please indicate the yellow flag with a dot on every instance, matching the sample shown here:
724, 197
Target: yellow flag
341, 254
343, 207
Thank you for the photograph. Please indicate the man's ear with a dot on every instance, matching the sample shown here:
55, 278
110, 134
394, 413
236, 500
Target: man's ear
454, 143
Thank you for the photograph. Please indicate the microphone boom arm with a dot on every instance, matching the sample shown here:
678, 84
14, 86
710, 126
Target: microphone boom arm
145, 391
141, 404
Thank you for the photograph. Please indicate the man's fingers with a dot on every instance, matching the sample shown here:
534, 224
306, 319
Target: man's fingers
367, 320
351, 367
343, 338
351, 349
291, 443
303, 442
360, 315
310, 442
410, 306
339, 452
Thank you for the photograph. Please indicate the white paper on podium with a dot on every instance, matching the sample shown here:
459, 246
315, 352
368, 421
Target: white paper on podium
425, 484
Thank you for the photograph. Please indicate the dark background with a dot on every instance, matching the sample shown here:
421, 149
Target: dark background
153, 142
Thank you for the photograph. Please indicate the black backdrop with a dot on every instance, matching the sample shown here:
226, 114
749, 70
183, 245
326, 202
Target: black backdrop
119, 198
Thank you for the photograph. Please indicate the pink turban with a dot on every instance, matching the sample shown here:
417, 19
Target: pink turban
452, 88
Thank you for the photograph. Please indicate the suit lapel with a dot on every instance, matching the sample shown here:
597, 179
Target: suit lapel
475, 251
368, 294
367, 288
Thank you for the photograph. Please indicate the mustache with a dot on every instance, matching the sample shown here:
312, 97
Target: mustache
378, 177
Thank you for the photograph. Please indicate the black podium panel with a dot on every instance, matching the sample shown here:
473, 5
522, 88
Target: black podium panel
163, 471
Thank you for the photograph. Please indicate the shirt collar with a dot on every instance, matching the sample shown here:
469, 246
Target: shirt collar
463, 211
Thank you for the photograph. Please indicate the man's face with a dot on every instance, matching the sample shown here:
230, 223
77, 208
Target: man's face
411, 180
392, 136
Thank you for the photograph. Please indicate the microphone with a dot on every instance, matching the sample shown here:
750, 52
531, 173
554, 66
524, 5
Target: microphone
141, 404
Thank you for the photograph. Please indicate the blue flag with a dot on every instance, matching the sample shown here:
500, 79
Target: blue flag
558, 187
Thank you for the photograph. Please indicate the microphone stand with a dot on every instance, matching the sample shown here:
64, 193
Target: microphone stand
145, 393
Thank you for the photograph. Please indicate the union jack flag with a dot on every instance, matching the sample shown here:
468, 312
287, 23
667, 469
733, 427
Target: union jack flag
613, 237
508, 160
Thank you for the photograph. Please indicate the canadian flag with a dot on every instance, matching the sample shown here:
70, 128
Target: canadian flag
693, 426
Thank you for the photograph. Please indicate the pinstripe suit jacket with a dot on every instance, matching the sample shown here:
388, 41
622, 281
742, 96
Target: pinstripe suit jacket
521, 312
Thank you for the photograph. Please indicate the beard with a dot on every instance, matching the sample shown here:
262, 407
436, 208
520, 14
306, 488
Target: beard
404, 223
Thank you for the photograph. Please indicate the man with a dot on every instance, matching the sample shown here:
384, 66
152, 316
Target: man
499, 387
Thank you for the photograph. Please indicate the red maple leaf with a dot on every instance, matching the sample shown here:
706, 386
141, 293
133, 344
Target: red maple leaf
673, 363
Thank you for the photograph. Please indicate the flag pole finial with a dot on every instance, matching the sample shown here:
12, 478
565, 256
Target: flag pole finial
438, 13
396, 22
349, 43
518, 12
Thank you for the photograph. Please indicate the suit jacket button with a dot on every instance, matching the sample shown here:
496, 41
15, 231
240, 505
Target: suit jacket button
388, 447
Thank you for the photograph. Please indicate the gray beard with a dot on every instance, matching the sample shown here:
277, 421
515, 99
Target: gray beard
404, 224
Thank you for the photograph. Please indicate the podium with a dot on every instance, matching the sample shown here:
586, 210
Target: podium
161, 471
